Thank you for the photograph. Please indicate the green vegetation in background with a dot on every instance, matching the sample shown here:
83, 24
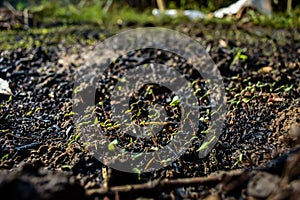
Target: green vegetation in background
40, 37
91, 12
140, 12
53, 11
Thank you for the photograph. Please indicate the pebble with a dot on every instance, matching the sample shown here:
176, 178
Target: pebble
262, 185
265, 69
294, 132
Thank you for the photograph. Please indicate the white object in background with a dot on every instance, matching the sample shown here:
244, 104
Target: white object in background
169, 12
156, 12
232, 9
4, 87
192, 14
263, 6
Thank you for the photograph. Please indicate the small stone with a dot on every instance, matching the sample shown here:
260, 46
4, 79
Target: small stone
294, 132
223, 43
262, 185
265, 69
61, 62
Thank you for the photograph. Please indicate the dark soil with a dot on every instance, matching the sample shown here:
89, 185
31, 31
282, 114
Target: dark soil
257, 156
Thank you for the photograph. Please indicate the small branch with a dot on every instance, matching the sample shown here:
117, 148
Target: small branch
289, 6
160, 4
26, 18
107, 6
155, 186
10, 7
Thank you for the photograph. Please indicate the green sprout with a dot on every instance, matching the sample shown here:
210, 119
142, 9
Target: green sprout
240, 160
74, 139
111, 146
206, 144
137, 171
4, 157
69, 114
175, 101
29, 113
239, 56
7, 102
66, 167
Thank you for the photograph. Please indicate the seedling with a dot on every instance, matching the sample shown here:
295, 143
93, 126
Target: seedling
240, 160
137, 171
175, 101
66, 167
206, 144
69, 114
111, 145
7, 102
239, 56
4, 157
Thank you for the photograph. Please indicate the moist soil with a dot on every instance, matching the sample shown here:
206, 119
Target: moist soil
256, 157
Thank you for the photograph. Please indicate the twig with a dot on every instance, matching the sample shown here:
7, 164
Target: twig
160, 4
289, 6
26, 18
107, 6
156, 185
10, 7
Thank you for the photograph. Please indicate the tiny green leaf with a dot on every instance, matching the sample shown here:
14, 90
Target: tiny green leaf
136, 170
175, 101
69, 114
205, 144
111, 145
246, 99
29, 113
68, 167
77, 137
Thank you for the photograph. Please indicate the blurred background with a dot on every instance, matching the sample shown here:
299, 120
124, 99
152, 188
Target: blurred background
127, 12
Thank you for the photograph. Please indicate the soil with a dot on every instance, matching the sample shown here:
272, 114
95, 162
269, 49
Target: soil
256, 157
